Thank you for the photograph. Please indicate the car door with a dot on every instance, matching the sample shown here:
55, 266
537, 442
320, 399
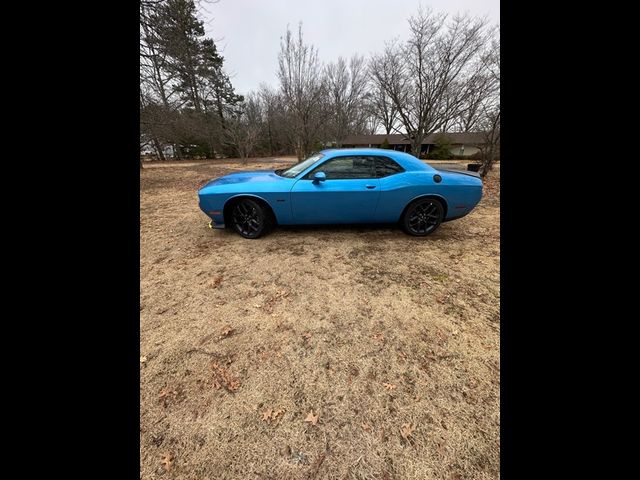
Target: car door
349, 194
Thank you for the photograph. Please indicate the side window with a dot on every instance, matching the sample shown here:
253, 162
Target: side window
341, 168
385, 167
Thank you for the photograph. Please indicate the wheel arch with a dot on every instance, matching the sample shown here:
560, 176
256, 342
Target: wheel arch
226, 209
427, 195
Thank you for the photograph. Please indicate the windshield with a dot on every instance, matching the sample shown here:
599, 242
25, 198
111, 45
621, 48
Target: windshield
298, 167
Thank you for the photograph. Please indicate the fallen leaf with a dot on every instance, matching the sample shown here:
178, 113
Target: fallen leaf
379, 337
216, 281
222, 378
165, 394
271, 415
167, 461
366, 427
311, 418
228, 330
389, 386
406, 430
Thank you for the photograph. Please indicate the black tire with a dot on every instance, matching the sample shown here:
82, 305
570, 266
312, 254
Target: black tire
422, 217
250, 219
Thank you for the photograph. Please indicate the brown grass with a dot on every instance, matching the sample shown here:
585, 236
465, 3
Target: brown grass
391, 341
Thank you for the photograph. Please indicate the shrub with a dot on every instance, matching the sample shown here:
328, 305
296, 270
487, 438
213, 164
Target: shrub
385, 144
440, 153
441, 149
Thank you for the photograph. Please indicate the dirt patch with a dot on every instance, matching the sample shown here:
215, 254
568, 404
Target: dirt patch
334, 352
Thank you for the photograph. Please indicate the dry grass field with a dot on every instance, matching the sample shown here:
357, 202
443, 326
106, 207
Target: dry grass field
315, 353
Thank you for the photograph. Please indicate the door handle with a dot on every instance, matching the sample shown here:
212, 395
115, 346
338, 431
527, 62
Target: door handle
370, 186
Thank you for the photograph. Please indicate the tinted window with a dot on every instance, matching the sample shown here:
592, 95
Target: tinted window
299, 167
346, 168
385, 167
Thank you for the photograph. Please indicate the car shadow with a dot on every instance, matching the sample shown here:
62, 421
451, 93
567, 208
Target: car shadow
370, 229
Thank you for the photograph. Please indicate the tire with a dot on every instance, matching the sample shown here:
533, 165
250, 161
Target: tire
422, 217
251, 219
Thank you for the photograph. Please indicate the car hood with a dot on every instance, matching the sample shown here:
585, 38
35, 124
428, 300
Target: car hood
256, 176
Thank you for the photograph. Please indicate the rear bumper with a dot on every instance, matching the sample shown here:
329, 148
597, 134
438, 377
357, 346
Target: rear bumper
213, 224
456, 216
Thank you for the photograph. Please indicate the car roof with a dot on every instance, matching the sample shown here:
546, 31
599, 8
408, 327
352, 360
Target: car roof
406, 161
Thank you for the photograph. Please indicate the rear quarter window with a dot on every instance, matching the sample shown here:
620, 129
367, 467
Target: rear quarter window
385, 167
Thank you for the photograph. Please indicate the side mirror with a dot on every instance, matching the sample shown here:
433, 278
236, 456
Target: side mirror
319, 177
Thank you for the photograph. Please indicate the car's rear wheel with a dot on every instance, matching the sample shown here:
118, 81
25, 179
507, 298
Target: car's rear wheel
423, 217
250, 219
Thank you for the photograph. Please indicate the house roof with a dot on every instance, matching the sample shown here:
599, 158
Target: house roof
465, 138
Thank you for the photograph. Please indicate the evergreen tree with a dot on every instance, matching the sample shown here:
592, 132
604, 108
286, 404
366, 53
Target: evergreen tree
206, 93
179, 32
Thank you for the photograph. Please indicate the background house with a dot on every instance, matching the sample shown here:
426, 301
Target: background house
460, 144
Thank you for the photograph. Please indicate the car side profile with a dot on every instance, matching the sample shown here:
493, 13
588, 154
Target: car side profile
342, 186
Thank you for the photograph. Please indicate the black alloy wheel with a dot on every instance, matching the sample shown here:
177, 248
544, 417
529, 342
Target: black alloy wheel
250, 219
423, 217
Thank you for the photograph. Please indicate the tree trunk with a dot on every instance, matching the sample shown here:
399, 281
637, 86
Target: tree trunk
158, 148
270, 138
416, 146
178, 151
487, 161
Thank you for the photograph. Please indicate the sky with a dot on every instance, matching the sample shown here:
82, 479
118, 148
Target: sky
248, 31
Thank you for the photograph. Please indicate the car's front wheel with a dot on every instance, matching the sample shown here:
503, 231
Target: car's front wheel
423, 217
250, 219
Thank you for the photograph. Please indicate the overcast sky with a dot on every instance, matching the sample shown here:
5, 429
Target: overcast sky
248, 31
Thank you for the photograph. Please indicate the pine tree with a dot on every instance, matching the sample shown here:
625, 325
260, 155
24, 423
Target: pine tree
179, 32
194, 61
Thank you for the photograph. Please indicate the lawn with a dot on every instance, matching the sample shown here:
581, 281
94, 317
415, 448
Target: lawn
326, 352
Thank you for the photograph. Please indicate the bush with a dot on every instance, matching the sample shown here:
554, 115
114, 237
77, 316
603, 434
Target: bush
195, 151
440, 153
385, 144
442, 149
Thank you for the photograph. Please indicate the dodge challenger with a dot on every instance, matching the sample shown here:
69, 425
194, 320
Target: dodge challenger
342, 186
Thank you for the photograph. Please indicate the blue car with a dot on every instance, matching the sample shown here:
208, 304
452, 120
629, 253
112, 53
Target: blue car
342, 186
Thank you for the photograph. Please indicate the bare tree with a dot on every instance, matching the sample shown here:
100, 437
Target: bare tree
427, 77
381, 108
275, 118
302, 88
491, 133
481, 87
491, 110
346, 86
243, 128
